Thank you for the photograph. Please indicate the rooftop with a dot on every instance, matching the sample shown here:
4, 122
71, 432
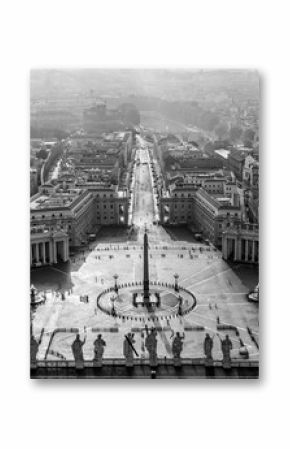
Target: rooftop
223, 153
57, 199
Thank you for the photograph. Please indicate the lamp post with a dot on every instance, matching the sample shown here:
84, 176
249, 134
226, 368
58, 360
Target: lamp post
113, 299
176, 286
32, 294
116, 285
180, 305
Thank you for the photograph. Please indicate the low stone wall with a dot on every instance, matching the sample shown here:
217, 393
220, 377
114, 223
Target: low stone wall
164, 369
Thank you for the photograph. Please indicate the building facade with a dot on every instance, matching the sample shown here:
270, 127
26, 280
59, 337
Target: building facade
75, 211
193, 206
240, 242
69, 209
48, 245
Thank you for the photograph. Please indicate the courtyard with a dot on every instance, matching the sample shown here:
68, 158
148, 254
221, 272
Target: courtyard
220, 290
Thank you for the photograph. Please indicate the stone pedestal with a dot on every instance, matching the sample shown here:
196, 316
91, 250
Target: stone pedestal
208, 361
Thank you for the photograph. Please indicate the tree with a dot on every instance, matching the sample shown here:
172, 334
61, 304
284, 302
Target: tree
42, 154
235, 133
249, 135
221, 130
208, 120
130, 114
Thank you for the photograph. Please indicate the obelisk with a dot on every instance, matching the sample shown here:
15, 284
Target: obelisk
146, 271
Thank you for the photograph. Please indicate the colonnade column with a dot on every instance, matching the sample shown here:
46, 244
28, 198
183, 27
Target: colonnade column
225, 247
50, 252
246, 250
54, 253
236, 249
36, 252
239, 249
43, 253
253, 251
66, 250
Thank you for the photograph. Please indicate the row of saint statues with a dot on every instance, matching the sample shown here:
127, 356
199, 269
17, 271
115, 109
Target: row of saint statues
149, 342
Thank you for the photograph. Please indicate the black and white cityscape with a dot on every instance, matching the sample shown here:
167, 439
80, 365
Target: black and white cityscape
144, 224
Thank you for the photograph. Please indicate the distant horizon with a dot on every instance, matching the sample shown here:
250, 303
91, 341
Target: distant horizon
173, 84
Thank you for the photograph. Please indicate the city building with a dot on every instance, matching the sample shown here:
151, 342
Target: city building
33, 181
99, 118
110, 204
240, 242
77, 210
251, 171
68, 209
200, 209
102, 158
48, 245
210, 211
176, 204
236, 161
